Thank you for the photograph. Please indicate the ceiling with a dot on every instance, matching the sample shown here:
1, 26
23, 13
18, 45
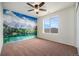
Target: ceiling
22, 7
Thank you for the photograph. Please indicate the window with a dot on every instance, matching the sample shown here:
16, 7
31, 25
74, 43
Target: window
51, 25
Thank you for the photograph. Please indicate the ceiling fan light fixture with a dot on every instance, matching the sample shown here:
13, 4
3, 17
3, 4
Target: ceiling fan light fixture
36, 10
36, 7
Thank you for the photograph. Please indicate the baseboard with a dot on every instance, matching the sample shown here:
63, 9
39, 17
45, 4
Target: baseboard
57, 42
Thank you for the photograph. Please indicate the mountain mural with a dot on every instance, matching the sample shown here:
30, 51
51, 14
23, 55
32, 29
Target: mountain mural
18, 26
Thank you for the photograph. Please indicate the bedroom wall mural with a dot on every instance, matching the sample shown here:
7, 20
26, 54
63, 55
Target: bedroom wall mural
17, 26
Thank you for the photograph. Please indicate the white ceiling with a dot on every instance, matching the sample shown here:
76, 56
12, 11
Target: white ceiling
22, 7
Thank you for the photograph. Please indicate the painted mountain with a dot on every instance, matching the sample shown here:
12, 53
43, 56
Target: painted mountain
18, 26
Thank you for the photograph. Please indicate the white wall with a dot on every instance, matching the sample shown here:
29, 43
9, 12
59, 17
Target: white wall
1, 28
77, 32
66, 33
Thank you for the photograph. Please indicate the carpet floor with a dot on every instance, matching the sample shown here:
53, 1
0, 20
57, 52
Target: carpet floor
37, 47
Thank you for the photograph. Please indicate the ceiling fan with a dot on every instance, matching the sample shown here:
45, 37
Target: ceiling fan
36, 7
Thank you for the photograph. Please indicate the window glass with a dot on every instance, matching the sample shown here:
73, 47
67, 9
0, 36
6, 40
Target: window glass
51, 25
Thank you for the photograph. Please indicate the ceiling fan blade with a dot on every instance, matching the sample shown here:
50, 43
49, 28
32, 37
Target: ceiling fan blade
31, 10
41, 4
43, 9
29, 4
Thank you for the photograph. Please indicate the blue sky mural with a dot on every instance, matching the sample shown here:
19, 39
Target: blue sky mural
5, 11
